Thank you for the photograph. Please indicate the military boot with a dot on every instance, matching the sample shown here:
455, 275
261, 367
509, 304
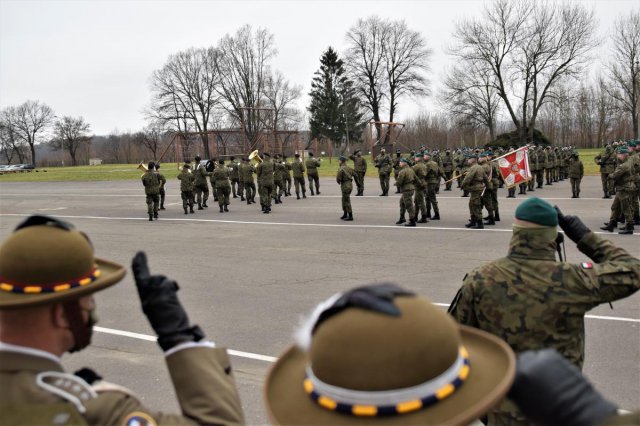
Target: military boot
304, 194
606, 195
577, 194
465, 194
423, 219
628, 230
200, 206
344, 215
412, 222
191, 209
226, 208
241, 197
221, 210
496, 216
436, 216
162, 207
401, 220
636, 220
186, 211
609, 226
150, 217
479, 225
471, 223
312, 193
297, 195
490, 220
155, 215
349, 217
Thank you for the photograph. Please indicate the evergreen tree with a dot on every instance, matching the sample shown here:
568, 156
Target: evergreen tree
336, 113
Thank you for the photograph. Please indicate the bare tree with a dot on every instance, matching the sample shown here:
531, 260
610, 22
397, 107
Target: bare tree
70, 134
528, 46
10, 145
244, 62
470, 96
29, 121
151, 137
185, 90
280, 95
624, 68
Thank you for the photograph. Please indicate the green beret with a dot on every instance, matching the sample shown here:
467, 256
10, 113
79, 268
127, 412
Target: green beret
632, 143
471, 156
622, 150
404, 160
417, 155
538, 211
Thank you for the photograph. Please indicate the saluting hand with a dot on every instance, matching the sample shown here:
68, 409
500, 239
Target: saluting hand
572, 226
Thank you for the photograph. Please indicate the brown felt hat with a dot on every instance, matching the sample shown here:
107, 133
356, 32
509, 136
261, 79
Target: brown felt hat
47, 261
417, 368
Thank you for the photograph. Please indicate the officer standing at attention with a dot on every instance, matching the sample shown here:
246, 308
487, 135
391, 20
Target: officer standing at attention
360, 169
405, 181
344, 179
297, 167
220, 181
576, 172
475, 181
201, 186
186, 187
312, 173
532, 301
151, 185
383, 164
49, 274
163, 182
624, 185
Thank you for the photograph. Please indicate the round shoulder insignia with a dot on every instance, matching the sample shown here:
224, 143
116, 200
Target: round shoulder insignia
586, 265
138, 418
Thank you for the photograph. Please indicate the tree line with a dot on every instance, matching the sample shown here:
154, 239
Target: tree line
520, 66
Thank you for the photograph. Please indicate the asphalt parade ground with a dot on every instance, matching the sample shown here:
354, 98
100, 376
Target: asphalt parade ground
249, 278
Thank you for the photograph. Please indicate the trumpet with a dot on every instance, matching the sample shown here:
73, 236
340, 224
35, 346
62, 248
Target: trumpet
255, 155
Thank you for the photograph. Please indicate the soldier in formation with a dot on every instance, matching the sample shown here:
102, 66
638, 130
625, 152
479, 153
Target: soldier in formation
287, 176
607, 162
475, 181
396, 169
432, 177
221, 185
360, 169
234, 177
186, 187
312, 165
298, 170
406, 183
264, 172
201, 187
151, 184
623, 181
419, 203
163, 182
575, 173
344, 179
448, 166
246, 171
383, 164
279, 179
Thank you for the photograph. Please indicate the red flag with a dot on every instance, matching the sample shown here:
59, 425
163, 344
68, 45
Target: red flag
515, 167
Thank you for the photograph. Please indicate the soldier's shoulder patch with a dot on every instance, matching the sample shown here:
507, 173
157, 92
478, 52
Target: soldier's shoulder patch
586, 265
67, 386
139, 418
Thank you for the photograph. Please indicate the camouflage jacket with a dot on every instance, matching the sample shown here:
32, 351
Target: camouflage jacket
201, 174
447, 162
488, 170
532, 301
475, 179
576, 169
151, 183
186, 181
312, 165
433, 171
280, 171
246, 173
345, 178
406, 179
264, 171
606, 160
298, 168
383, 163
421, 175
359, 164
623, 176
220, 178
234, 170
162, 180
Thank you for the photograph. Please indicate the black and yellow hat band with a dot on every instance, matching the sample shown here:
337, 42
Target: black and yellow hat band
389, 402
11, 287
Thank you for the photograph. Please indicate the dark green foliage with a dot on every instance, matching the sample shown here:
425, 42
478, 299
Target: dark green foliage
334, 106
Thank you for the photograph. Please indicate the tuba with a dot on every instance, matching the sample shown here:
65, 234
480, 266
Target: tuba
142, 167
255, 155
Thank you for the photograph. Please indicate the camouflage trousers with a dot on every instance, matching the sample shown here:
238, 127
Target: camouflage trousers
314, 179
384, 182
359, 178
250, 190
287, 184
447, 178
487, 201
163, 194
406, 204
607, 185
635, 204
575, 186
202, 193
346, 197
532, 182
431, 200
222, 194
153, 201
266, 192
540, 177
278, 188
299, 183
494, 199
475, 204
549, 175
187, 199
236, 187
622, 206
419, 203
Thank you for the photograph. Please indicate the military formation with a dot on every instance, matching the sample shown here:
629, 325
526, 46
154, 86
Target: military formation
418, 178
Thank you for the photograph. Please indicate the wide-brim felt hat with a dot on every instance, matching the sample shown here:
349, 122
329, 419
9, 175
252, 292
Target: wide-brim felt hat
45, 264
405, 349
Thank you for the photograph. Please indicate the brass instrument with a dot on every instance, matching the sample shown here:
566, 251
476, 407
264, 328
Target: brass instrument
143, 167
255, 155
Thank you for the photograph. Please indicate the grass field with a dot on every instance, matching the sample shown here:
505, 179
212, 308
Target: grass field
109, 172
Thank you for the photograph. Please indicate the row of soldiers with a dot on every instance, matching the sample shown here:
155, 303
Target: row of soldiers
275, 178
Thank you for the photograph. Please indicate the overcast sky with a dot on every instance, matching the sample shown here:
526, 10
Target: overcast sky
94, 58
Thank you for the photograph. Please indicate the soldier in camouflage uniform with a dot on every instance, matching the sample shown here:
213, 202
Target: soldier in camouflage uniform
360, 169
383, 164
287, 176
405, 182
264, 171
576, 172
432, 177
496, 180
186, 187
151, 185
634, 157
436, 158
607, 162
344, 179
475, 181
623, 182
541, 159
246, 171
234, 176
297, 167
532, 301
396, 170
460, 166
420, 183
312, 165
201, 187
221, 185
279, 170
163, 182
533, 168
487, 198
448, 166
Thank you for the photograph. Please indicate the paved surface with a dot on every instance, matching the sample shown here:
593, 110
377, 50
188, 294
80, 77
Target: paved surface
248, 278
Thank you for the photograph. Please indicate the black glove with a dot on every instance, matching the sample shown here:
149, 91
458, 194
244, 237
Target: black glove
377, 297
572, 226
160, 304
548, 389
